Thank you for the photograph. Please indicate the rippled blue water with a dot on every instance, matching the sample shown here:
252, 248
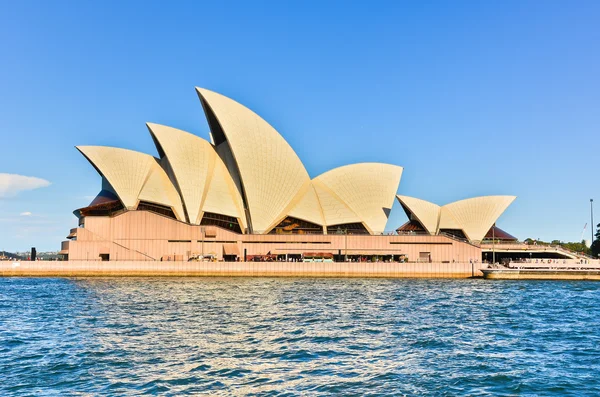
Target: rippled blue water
298, 337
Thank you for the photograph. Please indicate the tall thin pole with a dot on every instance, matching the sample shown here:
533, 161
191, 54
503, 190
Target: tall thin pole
202, 232
346, 246
592, 214
494, 243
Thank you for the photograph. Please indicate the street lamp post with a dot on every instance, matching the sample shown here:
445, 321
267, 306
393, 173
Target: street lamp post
346, 246
494, 243
202, 229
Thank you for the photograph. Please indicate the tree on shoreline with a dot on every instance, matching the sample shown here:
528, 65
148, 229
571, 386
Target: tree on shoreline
571, 246
595, 248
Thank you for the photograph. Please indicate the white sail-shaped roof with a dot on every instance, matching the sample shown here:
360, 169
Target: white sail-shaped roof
447, 220
248, 172
477, 215
191, 160
368, 189
222, 197
474, 216
134, 176
158, 189
271, 173
308, 207
199, 173
426, 213
335, 211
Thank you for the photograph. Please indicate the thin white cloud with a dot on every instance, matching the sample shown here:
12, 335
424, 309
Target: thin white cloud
26, 213
26, 220
12, 184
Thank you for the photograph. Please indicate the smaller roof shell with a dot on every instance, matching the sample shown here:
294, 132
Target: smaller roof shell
134, 176
368, 189
474, 216
426, 213
477, 215
308, 207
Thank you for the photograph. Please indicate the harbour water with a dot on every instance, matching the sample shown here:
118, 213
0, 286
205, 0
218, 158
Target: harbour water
260, 336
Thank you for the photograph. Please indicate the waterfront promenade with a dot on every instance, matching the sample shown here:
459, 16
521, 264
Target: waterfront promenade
238, 269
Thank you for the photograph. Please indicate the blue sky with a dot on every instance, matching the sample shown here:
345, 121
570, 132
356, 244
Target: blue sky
471, 98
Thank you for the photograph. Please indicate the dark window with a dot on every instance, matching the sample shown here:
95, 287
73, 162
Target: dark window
223, 221
454, 232
349, 228
156, 208
296, 226
286, 242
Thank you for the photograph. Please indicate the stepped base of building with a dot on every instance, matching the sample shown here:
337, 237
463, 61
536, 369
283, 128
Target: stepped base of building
237, 269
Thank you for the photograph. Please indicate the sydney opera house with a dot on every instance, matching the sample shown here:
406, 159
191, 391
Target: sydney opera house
246, 195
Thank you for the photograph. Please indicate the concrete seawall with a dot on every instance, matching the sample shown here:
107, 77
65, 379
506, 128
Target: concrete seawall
237, 269
542, 274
